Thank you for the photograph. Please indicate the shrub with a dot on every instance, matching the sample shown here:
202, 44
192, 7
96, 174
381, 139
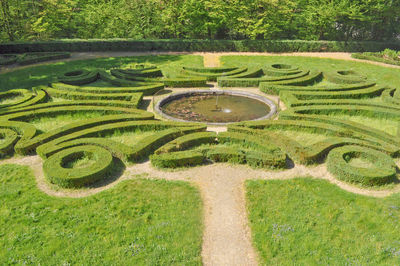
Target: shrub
344, 77
212, 73
56, 170
225, 154
79, 77
8, 59
188, 141
9, 138
32, 58
254, 82
380, 168
177, 159
196, 45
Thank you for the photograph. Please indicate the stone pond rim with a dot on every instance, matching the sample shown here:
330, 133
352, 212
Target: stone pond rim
179, 95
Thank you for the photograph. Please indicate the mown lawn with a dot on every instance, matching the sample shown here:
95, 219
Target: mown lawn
137, 222
312, 222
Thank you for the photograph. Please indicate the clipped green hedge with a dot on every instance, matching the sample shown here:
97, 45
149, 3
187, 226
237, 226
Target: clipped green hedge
254, 82
344, 77
375, 57
96, 129
177, 82
188, 141
33, 58
342, 132
306, 80
177, 159
275, 89
79, 77
56, 170
8, 59
380, 168
82, 45
134, 95
226, 154
146, 88
266, 154
146, 72
212, 73
9, 138
77, 129
25, 94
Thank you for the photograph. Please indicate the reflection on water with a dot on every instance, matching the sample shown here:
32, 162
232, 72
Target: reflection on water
216, 109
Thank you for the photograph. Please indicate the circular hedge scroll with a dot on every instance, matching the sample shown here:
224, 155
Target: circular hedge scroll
379, 167
57, 171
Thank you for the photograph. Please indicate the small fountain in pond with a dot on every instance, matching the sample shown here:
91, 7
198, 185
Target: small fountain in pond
215, 107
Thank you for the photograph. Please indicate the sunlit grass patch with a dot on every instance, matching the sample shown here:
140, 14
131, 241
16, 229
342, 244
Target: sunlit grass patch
137, 222
309, 221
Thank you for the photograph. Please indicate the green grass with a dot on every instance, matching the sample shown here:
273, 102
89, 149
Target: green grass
137, 222
304, 138
360, 162
44, 74
82, 162
10, 100
48, 123
130, 138
387, 125
312, 222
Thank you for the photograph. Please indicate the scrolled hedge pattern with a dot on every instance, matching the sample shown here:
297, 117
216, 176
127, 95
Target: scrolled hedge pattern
56, 170
258, 144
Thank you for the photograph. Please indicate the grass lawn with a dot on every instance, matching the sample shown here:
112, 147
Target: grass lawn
138, 222
313, 222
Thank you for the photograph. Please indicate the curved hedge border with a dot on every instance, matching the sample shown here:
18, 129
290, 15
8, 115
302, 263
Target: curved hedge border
344, 77
255, 81
382, 172
177, 159
8, 59
33, 58
212, 73
8, 138
55, 166
375, 57
177, 82
256, 153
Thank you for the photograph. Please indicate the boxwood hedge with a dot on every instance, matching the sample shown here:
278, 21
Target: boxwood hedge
378, 168
57, 171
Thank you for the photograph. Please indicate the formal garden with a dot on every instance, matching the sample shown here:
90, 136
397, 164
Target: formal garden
198, 158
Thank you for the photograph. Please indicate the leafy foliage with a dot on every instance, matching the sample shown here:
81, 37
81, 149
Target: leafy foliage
245, 19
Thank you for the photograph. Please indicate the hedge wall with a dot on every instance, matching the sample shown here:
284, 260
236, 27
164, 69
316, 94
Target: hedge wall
196, 45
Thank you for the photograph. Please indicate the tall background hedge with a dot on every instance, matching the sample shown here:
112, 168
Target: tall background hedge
196, 45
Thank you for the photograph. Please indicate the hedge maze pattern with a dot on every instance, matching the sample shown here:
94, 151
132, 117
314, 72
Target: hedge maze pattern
179, 144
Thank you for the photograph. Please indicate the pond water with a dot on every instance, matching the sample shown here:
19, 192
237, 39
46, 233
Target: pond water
213, 108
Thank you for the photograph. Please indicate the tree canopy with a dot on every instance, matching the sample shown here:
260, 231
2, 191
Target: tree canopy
200, 19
